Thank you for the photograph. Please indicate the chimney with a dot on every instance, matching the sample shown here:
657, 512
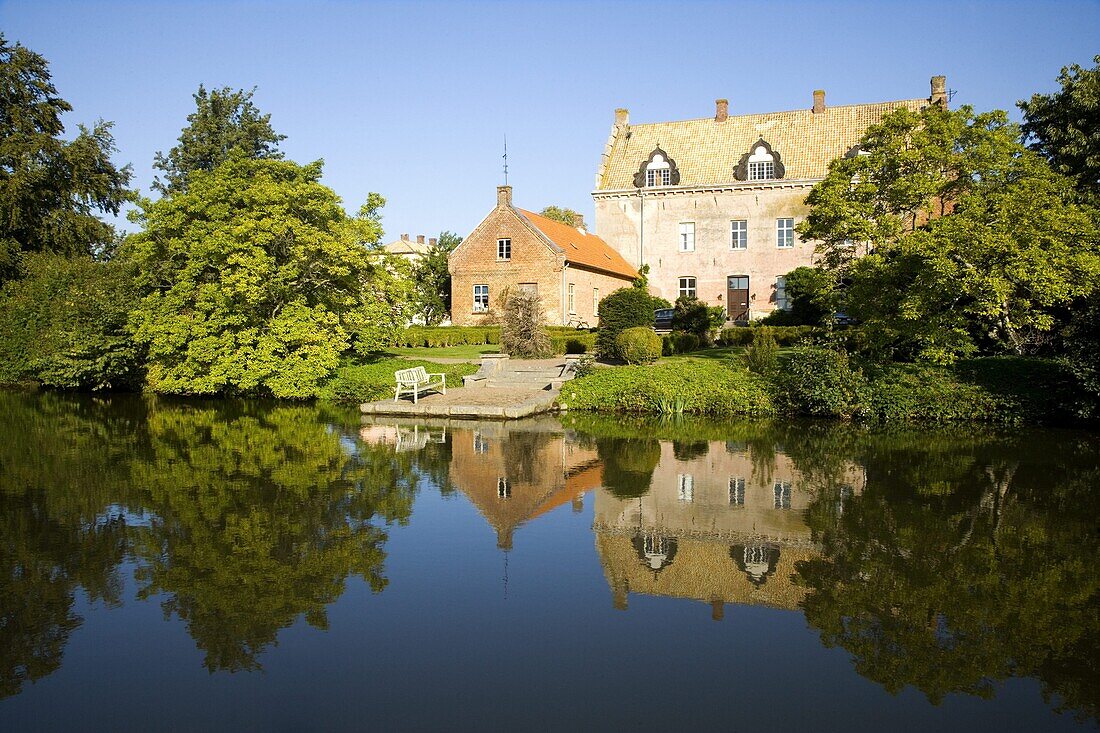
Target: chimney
404, 237
819, 101
504, 197
578, 221
939, 91
432, 241
717, 609
622, 116
721, 110
420, 239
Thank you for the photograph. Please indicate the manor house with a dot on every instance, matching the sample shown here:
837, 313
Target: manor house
711, 204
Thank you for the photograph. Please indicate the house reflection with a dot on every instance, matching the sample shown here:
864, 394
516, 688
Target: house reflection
717, 524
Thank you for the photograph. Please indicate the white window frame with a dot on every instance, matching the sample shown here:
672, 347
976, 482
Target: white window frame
784, 232
687, 236
481, 307
685, 484
504, 249
504, 488
782, 494
595, 301
658, 172
762, 170
691, 290
572, 299
737, 491
781, 300
739, 234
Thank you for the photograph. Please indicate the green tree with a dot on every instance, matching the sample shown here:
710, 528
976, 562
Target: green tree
51, 190
255, 282
1064, 127
432, 280
973, 242
64, 324
224, 120
558, 213
813, 295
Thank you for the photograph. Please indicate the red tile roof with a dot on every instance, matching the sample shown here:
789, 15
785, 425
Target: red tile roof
580, 246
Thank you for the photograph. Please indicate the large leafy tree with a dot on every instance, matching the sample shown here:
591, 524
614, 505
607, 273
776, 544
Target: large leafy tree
433, 280
1065, 126
255, 281
562, 214
970, 240
52, 190
224, 120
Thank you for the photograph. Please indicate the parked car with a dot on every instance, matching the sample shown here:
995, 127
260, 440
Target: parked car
662, 319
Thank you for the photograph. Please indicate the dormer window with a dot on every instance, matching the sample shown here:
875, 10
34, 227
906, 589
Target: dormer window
658, 173
760, 163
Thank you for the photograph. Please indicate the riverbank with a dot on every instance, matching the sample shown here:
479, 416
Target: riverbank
815, 383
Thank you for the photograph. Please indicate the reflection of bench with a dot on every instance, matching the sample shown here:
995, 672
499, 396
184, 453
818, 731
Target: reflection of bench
416, 380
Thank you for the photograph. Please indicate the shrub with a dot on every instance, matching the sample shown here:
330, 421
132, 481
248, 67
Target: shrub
373, 380
577, 342
762, 355
523, 327
638, 345
624, 308
704, 388
685, 343
820, 383
783, 335
692, 316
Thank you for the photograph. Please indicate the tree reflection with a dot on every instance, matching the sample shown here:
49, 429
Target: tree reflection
960, 565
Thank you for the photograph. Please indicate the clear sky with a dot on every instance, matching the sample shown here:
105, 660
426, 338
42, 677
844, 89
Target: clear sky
413, 100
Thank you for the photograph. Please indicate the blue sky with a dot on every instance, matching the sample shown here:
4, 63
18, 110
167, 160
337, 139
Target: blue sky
413, 99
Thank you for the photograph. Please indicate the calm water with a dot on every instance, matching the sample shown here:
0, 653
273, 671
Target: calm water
245, 566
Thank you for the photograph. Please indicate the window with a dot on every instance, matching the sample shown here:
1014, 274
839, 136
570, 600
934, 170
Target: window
686, 485
481, 298
739, 234
687, 286
781, 301
761, 165
504, 488
784, 233
481, 445
572, 298
687, 236
595, 301
658, 172
504, 249
782, 494
737, 491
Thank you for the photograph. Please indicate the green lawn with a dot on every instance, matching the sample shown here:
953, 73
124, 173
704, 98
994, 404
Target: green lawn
471, 352
718, 353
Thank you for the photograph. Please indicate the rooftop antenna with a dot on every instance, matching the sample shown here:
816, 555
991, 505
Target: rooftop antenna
951, 94
505, 159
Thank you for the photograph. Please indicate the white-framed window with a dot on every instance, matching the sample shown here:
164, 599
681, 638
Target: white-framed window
737, 491
504, 488
572, 298
481, 298
782, 491
481, 445
686, 486
687, 286
761, 165
739, 234
504, 249
658, 172
687, 236
784, 232
595, 301
781, 301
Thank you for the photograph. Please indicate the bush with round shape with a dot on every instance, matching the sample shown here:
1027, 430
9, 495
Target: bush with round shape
624, 308
638, 345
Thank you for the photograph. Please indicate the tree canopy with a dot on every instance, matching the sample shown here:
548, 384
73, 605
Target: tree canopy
970, 241
432, 279
562, 214
1064, 126
255, 281
51, 189
224, 120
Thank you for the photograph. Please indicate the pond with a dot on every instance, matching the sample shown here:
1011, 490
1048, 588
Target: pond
220, 565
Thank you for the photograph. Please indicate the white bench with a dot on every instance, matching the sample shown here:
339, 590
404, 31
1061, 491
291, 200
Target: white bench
416, 380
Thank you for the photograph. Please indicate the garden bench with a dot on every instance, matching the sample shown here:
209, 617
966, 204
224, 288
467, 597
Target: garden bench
416, 380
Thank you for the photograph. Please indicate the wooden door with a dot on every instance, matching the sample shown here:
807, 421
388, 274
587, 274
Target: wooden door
737, 297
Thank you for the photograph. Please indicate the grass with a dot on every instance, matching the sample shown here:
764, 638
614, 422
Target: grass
717, 353
470, 352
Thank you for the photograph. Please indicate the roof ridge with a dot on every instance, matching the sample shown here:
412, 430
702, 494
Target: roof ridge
783, 112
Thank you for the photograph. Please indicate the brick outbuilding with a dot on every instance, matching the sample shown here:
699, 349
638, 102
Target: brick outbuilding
570, 268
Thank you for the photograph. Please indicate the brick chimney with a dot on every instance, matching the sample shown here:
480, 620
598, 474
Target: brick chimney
420, 239
578, 221
622, 116
819, 101
721, 110
432, 241
939, 91
504, 197
404, 237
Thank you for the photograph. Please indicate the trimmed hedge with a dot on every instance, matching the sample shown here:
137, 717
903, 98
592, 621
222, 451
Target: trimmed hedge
564, 339
638, 345
705, 389
783, 335
374, 380
624, 308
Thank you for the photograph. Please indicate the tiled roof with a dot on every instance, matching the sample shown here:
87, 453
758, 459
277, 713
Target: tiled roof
706, 152
407, 247
580, 246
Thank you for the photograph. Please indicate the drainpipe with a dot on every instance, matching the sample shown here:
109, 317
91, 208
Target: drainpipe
641, 228
564, 304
